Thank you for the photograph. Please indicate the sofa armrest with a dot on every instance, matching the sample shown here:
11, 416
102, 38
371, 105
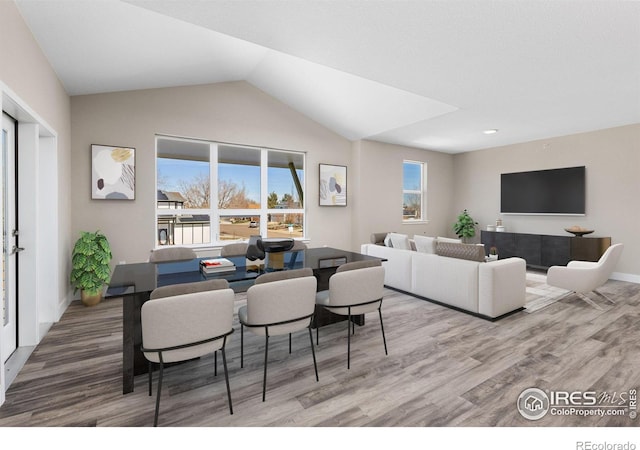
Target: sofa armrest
502, 286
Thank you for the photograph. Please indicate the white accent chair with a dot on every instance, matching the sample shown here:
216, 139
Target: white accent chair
583, 277
171, 254
184, 327
279, 303
356, 288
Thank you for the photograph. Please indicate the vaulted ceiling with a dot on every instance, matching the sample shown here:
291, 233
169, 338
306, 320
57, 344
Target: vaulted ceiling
427, 74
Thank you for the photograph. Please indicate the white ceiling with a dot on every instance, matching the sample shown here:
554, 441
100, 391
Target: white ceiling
428, 74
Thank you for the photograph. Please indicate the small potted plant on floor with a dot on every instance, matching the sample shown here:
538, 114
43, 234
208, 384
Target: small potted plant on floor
90, 269
465, 227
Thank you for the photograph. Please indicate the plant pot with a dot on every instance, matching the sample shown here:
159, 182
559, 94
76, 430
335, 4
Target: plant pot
90, 298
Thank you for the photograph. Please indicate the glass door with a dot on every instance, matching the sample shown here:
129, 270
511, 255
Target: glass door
8, 279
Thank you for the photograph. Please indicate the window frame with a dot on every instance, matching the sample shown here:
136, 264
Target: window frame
422, 192
216, 213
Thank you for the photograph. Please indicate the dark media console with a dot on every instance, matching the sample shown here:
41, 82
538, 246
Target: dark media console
543, 251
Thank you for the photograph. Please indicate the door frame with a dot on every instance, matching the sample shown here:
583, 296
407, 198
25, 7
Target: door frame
12, 157
39, 299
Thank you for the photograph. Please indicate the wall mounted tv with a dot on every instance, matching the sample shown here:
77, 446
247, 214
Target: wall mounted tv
548, 192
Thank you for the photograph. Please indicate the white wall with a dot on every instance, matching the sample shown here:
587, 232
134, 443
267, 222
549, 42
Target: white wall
377, 191
234, 112
612, 160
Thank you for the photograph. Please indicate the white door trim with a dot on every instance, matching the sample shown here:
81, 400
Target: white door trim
39, 280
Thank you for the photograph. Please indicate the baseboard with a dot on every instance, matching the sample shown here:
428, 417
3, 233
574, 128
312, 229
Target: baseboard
630, 277
455, 308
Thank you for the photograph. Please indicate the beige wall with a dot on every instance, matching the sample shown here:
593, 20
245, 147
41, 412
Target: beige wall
612, 160
377, 195
25, 71
233, 112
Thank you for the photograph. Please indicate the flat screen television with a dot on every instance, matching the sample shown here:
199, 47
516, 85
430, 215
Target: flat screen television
548, 192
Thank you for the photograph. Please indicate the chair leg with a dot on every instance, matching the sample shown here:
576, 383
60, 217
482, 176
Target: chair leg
266, 353
150, 368
349, 339
589, 301
313, 353
604, 296
241, 346
226, 378
317, 335
155, 418
382, 328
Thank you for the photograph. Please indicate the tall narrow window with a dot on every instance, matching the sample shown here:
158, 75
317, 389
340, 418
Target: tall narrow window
183, 192
413, 177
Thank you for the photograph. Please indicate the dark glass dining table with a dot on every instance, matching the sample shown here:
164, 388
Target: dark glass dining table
135, 282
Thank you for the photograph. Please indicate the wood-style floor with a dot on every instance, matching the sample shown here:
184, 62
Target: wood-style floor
444, 368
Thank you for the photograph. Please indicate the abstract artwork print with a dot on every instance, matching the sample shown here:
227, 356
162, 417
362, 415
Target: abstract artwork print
113, 173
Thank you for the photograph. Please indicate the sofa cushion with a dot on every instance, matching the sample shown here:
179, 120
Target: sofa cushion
470, 252
400, 241
387, 240
425, 244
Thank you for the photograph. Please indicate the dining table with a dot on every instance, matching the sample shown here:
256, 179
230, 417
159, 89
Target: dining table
134, 282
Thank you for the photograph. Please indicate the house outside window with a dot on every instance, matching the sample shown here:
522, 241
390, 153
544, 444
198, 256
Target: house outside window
210, 192
413, 191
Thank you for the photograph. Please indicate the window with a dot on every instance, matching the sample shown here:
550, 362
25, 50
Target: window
209, 192
413, 191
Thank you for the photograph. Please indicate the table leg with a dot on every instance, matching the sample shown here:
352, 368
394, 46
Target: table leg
133, 361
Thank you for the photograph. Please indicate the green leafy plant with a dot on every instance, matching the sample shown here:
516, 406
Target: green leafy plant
465, 227
90, 260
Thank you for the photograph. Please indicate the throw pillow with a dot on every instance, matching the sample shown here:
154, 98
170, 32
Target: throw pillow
425, 244
471, 252
444, 239
387, 240
400, 241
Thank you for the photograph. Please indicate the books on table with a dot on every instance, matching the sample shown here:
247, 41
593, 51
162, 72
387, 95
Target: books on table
216, 265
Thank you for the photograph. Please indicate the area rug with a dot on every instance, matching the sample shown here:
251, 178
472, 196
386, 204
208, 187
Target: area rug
539, 293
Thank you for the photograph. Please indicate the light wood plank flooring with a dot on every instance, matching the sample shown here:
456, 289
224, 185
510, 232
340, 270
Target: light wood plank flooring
445, 368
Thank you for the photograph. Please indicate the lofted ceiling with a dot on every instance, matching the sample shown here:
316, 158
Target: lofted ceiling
427, 74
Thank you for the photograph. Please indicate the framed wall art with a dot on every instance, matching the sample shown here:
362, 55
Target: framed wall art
113, 172
333, 185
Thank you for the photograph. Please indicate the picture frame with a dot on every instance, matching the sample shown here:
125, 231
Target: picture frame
113, 172
333, 185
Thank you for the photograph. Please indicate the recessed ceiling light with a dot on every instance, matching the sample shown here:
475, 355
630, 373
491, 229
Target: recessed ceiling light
490, 131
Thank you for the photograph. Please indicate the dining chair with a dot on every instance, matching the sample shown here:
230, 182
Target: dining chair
279, 303
186, 326
189, 288
234, 249
170, 254
356, 288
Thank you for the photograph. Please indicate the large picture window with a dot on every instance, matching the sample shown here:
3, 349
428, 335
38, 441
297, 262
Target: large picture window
413, 187
209, 192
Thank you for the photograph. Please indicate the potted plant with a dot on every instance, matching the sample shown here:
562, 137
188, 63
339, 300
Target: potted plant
90, 269
493, 254
465, 227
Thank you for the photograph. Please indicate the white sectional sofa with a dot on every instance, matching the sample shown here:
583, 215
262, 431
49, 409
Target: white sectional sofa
487, 289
